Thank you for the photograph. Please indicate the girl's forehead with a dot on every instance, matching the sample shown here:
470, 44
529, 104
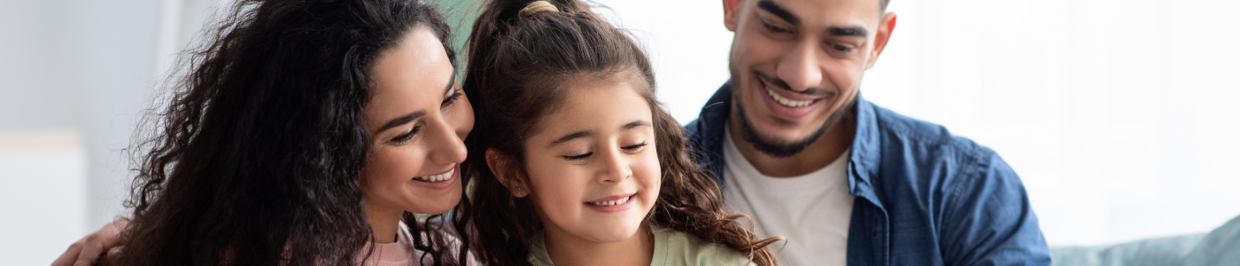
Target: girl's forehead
594, 105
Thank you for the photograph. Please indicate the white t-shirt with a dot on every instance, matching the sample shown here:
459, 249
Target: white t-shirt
812, 211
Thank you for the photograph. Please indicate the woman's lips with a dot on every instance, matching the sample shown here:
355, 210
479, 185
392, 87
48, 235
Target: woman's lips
439, 181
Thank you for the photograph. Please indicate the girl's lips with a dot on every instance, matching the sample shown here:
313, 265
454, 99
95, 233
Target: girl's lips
616, 206
441, 185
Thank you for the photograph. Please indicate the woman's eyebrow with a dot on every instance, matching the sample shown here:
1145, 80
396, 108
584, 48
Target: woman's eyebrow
401, 120
451, 81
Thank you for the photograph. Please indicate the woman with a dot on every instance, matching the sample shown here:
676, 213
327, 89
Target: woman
306, 132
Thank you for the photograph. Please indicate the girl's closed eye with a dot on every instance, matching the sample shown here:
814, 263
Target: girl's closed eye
578, 156
635, 147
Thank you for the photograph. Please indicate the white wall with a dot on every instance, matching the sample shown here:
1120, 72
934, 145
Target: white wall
1120, 116
82, 66
44, 194
79, 71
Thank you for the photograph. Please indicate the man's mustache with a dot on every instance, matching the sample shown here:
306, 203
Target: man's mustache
780, 84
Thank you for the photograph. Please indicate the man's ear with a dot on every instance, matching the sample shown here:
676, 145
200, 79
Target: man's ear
506, 171
885, 27
730, 13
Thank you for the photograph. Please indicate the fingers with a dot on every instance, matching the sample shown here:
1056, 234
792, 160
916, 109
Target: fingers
120, 224
86, 251
90, 251
113, 252
70, 255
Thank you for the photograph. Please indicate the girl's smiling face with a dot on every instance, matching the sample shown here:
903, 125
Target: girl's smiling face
592, 166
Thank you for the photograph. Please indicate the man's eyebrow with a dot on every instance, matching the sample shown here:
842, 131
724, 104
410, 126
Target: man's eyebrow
856, 31
779, 11
401, 120
572, 136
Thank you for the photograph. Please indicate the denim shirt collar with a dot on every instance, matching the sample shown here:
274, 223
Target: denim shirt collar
863, 162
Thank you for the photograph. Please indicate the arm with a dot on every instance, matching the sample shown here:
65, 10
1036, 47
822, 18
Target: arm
988, 219
89, 249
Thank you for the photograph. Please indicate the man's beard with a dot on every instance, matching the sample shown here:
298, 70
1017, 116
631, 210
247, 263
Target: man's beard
779, 148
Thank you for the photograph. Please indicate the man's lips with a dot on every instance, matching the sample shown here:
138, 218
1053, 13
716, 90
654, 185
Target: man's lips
786, 94
792, 107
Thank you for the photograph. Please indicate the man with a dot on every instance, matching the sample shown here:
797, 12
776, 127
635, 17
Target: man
795, 146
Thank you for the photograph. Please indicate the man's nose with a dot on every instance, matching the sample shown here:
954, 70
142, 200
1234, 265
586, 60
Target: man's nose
799, 68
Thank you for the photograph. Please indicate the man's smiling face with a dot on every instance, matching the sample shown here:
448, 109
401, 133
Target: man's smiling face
796, 65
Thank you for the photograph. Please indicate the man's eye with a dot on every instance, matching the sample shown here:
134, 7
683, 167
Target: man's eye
842, 48
773, 28
579, 156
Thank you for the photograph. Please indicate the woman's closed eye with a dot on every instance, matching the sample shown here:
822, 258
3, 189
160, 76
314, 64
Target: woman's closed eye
451, 98
405, 137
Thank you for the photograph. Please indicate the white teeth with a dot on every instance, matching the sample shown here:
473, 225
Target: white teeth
786, 101
611, 202
437, 178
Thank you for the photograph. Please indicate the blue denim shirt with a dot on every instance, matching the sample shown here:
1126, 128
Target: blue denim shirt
923, 196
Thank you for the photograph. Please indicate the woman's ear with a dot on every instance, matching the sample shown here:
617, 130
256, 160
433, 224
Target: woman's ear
506, 171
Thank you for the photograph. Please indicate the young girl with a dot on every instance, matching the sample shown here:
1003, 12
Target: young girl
304, 134
575, 162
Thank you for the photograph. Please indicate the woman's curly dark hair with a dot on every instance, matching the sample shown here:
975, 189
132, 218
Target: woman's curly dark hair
517, 71
254, 158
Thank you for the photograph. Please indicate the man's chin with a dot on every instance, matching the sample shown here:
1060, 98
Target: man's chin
772, 144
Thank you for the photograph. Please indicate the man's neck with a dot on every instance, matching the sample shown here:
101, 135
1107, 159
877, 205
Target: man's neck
565, 249
833, 143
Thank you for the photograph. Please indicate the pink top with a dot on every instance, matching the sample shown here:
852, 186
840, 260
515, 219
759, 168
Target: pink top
402, 253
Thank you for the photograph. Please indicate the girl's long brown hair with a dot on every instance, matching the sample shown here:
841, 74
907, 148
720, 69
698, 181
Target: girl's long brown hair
518, 70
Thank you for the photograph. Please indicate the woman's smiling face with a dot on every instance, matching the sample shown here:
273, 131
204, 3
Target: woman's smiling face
418, 118
592, 166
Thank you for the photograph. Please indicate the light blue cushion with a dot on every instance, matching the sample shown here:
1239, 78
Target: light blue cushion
1217, 248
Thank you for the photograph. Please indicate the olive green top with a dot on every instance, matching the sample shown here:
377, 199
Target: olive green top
671, 248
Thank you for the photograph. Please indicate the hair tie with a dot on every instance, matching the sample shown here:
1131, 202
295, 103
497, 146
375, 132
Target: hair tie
535, 7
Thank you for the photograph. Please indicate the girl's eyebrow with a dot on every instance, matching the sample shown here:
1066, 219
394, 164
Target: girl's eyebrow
634, 124
587, 133
572, 136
